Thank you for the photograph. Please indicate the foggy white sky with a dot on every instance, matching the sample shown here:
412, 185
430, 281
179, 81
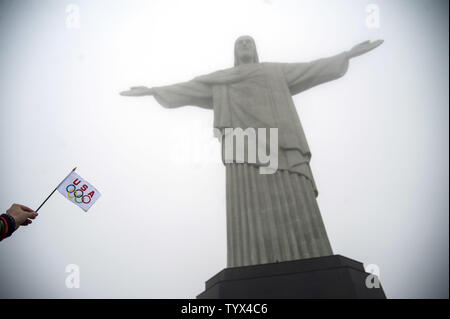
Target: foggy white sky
379, 138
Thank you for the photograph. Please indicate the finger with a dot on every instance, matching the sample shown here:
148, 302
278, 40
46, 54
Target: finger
26, 222
32, 215
126, 93
378, 42
373, 45
25, 208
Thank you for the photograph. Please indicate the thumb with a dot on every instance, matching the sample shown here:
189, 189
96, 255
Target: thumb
378, 42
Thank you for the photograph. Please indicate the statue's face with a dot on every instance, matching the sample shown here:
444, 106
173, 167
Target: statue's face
245, 49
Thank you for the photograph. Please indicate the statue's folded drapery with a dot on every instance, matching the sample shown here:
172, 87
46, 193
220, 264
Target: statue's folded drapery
259, 95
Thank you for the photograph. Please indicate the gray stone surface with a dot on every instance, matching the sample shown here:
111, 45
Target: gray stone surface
269, 217
273, 217
328, 277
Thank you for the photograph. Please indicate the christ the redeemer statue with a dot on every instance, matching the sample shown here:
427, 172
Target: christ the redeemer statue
270, 217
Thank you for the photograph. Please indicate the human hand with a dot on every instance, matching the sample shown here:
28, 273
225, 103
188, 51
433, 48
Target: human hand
22, 214
363, 47
137, 91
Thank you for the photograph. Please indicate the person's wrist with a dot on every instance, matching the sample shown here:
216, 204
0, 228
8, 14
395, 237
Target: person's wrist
348, 54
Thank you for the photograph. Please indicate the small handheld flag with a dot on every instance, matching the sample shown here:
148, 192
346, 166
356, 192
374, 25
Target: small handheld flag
80, 192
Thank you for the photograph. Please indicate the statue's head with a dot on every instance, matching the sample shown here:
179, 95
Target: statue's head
245, 50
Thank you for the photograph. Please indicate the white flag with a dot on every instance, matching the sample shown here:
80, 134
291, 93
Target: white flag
79, 191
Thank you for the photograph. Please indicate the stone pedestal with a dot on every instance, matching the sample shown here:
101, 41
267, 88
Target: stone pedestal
314, 278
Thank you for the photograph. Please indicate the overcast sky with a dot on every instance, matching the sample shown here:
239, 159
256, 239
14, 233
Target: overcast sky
379, 139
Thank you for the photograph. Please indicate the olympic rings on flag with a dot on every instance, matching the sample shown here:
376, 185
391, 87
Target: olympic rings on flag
76, 196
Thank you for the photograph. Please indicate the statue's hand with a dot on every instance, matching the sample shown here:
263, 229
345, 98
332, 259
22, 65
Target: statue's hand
137, 91
363, 47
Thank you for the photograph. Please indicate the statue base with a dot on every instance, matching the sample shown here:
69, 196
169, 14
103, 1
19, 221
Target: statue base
333, 276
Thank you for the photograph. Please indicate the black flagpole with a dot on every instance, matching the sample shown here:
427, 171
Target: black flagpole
55, 189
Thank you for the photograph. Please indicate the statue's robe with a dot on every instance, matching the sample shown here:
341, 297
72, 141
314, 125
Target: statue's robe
271, 217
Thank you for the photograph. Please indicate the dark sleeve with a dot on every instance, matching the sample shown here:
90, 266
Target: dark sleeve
7, 226
186, 93
303, 76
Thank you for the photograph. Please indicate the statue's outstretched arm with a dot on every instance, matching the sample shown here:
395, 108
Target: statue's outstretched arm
303, 76
176, 95
363, 47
